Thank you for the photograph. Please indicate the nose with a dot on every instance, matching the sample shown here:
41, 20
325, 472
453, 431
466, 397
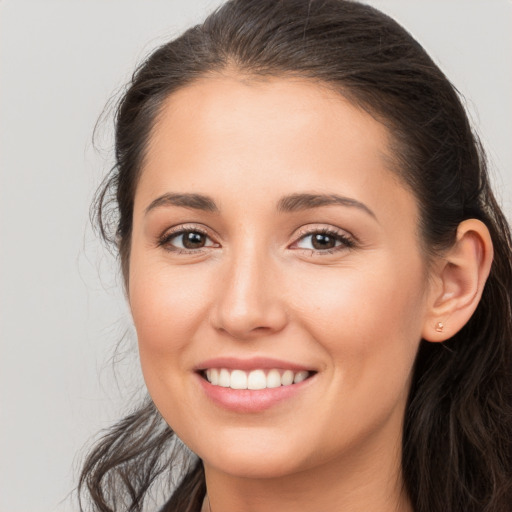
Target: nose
250, 300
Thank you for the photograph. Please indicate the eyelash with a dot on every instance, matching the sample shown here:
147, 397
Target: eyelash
346, 242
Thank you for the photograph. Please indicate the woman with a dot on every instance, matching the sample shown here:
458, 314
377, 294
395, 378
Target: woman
318, 272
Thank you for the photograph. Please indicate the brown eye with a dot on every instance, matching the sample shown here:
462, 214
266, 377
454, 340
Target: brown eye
187, 240
321, 241
324, 241
193, 240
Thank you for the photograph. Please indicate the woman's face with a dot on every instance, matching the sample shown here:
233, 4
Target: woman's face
272, 241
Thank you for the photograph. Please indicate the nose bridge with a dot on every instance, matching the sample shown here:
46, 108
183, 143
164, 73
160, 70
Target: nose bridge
247, 302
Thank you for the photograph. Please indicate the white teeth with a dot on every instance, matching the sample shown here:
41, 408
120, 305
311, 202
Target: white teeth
256, 379
287, 378
299, 377
214, 376
273, 379
238, 379
224, 378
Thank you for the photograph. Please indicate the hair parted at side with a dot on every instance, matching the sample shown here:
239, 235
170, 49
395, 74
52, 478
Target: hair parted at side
457, 439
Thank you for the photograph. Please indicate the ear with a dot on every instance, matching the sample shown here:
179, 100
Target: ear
457, 281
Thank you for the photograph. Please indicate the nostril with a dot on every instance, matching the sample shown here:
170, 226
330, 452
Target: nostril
261, 329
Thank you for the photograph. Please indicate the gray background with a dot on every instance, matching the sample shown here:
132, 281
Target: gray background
62, 309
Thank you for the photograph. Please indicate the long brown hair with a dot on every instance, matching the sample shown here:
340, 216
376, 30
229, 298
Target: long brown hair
457, 439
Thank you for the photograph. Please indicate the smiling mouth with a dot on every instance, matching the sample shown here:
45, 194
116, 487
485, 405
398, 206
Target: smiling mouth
255, 379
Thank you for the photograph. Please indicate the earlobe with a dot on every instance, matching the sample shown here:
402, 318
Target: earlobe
459, 281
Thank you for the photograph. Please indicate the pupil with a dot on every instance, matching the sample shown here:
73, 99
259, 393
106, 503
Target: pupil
323, 241
193, 240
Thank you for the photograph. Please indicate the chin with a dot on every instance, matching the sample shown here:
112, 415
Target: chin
259, 466
255, 456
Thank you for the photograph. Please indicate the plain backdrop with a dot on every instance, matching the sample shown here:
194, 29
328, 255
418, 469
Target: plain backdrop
61, 305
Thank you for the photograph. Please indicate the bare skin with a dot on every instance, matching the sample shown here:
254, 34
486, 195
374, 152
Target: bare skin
248, 270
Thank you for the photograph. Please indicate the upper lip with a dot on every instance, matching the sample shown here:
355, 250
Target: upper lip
255, 363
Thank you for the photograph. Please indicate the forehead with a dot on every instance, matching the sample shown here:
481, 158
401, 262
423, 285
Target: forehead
222, 109
225, 134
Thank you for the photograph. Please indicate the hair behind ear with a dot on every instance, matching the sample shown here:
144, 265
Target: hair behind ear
458, 423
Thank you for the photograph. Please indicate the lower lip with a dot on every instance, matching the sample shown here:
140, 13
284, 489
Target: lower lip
248, 400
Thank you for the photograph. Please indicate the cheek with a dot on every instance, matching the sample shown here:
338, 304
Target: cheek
368, 322
167, 306
370, 316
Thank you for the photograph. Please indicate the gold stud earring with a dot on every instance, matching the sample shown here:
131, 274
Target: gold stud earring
439, 327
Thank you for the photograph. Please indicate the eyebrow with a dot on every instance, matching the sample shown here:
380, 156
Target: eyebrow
299, 202
287, 204
192, 201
